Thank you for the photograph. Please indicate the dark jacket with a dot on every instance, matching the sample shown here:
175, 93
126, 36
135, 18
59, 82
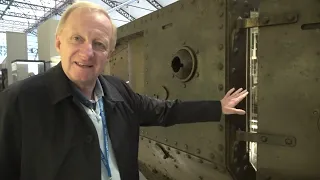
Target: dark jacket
45, 135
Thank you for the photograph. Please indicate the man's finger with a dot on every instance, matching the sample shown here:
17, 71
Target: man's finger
235, 94
239, 111
230, 91
242, 96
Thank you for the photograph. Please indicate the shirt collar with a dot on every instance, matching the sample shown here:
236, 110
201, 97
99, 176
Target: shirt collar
60, 87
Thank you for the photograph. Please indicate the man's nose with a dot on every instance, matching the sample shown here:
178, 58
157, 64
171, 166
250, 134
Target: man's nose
86, 51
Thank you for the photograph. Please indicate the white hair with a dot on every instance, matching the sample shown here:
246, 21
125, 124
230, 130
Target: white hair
92, 7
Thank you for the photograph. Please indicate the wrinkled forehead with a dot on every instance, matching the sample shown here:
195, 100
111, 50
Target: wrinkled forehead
89, 21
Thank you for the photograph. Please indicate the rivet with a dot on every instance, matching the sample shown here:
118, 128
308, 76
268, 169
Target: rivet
264, 138
212, 156
186, 146
246, 3
168, 148
233, 70
221, 14
220, 127
290, 17
265, 20
238, 170
147, 82
235, 50
197, 74
220, 87
189, 156
245, 157
166, 139
220, 46
220, 66
315, 112
176, 143
221, 3
220, 26
200, 161
176, 166
181, 6
245, 167
235, 160
146, 70
154, 171
215, 166
184, 85
172, 75
198, 151
288, 141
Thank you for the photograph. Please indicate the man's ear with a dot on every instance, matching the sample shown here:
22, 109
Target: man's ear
58, 43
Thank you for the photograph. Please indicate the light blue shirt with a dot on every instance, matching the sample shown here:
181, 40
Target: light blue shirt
97, 122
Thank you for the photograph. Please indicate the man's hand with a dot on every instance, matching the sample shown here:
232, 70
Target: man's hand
229, 101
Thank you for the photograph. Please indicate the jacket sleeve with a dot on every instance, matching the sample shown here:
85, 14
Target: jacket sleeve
10, 138
155, 112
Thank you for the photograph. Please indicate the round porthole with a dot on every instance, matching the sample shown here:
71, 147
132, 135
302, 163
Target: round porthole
183, 64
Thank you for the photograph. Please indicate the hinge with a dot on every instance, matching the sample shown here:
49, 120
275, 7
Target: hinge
272, 20
272, 139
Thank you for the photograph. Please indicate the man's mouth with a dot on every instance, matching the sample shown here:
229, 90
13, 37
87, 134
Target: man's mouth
83, 65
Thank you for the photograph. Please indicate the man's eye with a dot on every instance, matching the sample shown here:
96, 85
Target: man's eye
76, 38
99, 45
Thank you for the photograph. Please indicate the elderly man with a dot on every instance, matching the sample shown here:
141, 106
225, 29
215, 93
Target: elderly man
72, 123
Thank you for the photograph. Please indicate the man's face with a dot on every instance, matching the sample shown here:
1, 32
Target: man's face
84, 45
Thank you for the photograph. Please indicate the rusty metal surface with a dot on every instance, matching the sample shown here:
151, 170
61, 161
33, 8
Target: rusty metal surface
118, 64
159, 161
288, 90
185, 24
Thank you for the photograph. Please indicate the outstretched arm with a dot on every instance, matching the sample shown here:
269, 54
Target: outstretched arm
155, 112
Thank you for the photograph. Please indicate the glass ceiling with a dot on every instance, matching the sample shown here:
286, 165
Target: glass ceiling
22, 14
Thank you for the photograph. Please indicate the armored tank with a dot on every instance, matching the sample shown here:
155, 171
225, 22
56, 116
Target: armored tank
199, 49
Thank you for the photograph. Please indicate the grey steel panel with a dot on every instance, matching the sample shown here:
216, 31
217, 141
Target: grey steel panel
288, 90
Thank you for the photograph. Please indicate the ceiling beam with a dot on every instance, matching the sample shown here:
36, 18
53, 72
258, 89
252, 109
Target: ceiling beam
25, 5
4, 12
112, 4
59, 9
155, 4
19, 15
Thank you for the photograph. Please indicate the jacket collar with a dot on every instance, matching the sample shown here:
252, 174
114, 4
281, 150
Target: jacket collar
60, 86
